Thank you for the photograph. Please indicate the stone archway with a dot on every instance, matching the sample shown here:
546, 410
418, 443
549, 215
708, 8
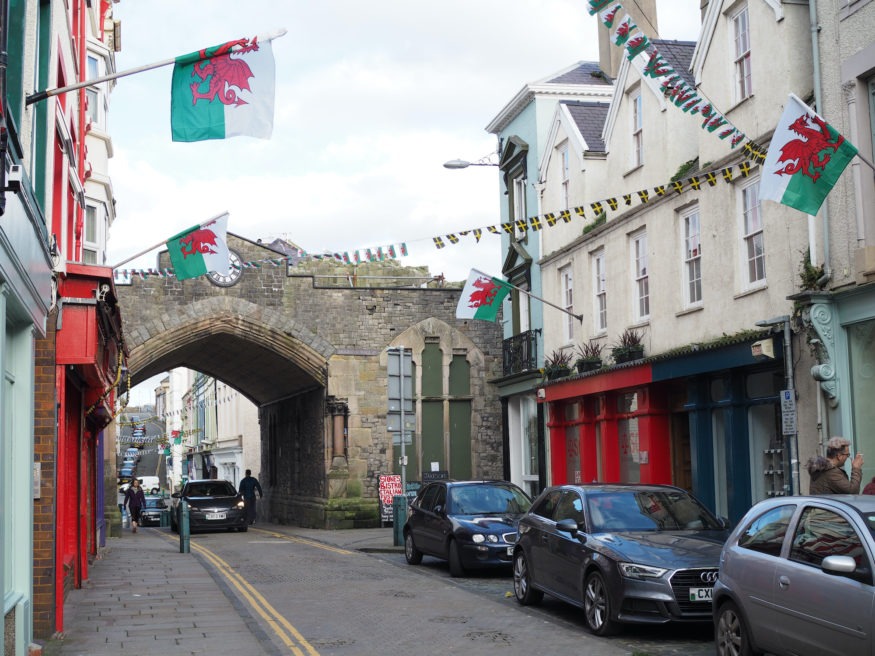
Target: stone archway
306, 343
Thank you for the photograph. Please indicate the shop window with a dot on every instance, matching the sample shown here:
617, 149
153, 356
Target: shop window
861, 351
630, 451
764, 384
718, 429
572, 443
719, 389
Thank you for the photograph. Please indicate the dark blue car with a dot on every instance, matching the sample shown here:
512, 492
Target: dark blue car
470, 524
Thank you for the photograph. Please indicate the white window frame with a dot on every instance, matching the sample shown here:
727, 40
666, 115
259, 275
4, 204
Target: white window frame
566, 173
637, 127
691, 238
741, 49
600, 295
566, 285
640, 276
519, 205
96, 213
753, 246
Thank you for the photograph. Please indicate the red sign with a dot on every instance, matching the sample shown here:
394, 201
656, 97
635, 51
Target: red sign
390, 485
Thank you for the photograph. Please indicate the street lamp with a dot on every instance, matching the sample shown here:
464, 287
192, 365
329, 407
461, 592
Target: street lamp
464, 164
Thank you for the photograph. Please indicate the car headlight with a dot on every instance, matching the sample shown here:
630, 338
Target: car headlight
241, 505
640, 572
479, 538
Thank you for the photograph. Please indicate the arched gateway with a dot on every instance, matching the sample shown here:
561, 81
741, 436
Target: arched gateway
308, 344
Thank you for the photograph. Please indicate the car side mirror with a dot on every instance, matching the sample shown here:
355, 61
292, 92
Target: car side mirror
438, 510
570, 526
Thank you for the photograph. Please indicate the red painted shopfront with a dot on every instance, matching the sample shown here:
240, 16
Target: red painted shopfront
609, 427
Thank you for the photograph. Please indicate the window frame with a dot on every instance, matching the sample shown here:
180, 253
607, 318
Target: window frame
566, 285
600, 294
637, 127
753, 245
691, 257
640, 276
741, 53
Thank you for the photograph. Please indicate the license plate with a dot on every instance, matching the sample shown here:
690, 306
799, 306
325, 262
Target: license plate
701, 594
215, 515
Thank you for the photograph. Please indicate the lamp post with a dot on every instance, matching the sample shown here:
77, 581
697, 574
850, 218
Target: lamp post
788, 396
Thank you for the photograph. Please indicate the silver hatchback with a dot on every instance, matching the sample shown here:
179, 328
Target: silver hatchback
796, 578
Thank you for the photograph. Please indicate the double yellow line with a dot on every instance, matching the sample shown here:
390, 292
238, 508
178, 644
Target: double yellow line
287, 633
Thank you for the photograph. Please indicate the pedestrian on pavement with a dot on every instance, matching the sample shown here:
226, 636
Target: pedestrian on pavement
248, 487
870, 487
135, 500
828, 475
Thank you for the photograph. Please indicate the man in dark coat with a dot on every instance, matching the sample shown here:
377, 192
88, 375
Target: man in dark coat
248, 486
828, 475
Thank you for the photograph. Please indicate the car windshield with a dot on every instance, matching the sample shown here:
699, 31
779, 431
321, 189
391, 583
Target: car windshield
647, 510
155, 502
487, 500
211, 489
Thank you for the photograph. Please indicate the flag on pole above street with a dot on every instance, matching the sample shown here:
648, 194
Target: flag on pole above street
805, 159
224, 91
481, 297
201, 249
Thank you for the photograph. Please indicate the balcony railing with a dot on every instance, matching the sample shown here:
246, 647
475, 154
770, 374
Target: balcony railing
520, 353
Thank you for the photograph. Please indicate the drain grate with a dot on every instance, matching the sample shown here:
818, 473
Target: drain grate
489, 636
450, 619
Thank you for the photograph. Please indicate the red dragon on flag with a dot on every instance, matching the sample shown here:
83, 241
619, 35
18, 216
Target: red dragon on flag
224, 72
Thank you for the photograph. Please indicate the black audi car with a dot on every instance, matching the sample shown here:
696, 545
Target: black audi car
644, 554
470, 524
212, 504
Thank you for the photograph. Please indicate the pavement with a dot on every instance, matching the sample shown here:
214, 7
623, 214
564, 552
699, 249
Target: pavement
177, 608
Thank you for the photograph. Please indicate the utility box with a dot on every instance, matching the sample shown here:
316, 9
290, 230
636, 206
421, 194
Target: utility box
399, 516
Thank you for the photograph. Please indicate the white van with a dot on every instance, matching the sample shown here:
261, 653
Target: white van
150, 484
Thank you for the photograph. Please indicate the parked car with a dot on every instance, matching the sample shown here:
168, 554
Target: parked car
126, 474
796, 577
155, 506
470, 524
132, 453
212, 504
151, 484
129, 462
644, 554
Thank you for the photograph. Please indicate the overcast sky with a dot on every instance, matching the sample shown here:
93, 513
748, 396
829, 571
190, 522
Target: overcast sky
372, 98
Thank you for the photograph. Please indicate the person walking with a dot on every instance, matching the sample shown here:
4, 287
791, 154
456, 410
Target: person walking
248, 486
135, 500
828, 475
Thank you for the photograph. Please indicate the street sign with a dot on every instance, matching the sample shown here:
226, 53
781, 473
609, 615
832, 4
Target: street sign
788, 400
788, 412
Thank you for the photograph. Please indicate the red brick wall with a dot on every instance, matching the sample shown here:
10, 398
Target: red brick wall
45, 453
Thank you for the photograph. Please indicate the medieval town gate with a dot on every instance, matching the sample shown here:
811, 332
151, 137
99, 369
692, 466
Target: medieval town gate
307, 343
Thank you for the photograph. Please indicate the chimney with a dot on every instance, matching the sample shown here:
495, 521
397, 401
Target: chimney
643, 13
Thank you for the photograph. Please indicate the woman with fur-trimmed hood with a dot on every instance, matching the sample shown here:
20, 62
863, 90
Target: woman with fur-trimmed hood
828, 475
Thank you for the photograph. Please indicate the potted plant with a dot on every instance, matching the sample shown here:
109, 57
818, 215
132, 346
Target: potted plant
557, 364
629, 347
589, 357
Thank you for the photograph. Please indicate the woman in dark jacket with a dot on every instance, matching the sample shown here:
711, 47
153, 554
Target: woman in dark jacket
135, 500
828, 475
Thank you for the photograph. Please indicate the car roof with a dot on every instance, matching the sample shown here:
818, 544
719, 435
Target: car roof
864, 503
618, 487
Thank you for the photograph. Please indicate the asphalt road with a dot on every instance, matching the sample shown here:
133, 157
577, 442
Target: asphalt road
318, 599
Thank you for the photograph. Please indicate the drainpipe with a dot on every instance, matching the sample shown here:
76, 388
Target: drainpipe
815, 54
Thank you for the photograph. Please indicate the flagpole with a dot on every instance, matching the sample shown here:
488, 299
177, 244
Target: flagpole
161, 243
579, 317
49, 93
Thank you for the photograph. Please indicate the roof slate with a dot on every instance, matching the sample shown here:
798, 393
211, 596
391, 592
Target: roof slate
679, 55
583, 73
590, 120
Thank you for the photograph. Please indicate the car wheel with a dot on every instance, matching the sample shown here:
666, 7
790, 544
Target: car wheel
456, 568
597, 605
243, 529
731, 634
522, 583
411, 553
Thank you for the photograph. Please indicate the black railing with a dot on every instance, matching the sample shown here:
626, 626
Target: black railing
520, 353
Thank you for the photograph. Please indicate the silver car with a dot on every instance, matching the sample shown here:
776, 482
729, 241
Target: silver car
796, 578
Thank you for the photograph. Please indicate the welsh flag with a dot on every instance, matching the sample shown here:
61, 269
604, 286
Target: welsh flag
481, 297
200, 249
805, 159
223, 91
